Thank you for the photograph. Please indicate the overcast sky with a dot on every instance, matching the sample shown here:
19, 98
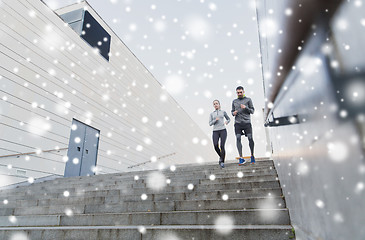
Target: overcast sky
200, 50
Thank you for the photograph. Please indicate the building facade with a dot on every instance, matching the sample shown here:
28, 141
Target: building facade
66, 70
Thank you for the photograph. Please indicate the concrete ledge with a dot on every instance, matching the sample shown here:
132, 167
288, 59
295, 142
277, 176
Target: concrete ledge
242, 232
39, 220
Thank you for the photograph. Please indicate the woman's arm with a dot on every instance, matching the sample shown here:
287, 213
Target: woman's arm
227, 117
211, 120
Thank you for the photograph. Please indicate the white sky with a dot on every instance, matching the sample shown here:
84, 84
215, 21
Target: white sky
200, 50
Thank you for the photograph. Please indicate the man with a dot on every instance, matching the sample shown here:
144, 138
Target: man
242, 108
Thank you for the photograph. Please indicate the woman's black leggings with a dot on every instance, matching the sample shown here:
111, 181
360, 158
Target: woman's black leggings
222, 134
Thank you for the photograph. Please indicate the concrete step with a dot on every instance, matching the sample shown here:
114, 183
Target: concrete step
116, 197
216, 232
243, 217
120, 206
177, 177
140, 183
188, 205
149, 206
189, 194
206, 169
212, 195
119, 178
196, 187
129, 189
228, 165
130, 182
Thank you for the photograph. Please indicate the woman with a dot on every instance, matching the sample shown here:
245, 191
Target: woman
219, 130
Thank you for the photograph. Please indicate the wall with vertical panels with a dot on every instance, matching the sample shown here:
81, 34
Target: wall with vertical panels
49, 75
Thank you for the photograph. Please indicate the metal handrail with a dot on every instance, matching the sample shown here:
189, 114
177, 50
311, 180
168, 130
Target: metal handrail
31, 153
161, 157
167, 155
32, 170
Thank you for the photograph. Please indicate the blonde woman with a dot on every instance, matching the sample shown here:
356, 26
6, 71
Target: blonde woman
216, 119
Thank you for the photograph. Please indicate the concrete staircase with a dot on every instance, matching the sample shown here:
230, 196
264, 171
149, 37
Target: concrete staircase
198, 202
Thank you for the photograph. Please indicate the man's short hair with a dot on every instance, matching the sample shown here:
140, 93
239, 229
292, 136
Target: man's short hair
239, 88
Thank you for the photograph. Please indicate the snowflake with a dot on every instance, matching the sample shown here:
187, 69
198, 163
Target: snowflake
19, 236
319, 203
224, 224
156, 181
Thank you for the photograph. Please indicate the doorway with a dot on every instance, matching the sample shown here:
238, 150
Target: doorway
82, 150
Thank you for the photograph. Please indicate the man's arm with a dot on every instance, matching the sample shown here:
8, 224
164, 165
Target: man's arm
233, 111
250, 107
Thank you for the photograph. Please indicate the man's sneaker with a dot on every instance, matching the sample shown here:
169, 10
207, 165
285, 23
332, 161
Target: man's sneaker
221, 164
241, 161
253, 159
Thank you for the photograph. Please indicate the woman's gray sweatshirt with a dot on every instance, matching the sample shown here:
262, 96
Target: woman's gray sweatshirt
218, 124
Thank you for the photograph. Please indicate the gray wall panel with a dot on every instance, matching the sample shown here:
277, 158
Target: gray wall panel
320, 161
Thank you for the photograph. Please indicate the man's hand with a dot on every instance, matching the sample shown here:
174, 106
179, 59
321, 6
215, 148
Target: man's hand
217, 119
243, 106
235, 113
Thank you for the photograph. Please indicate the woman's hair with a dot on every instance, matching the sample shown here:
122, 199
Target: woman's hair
218, 102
